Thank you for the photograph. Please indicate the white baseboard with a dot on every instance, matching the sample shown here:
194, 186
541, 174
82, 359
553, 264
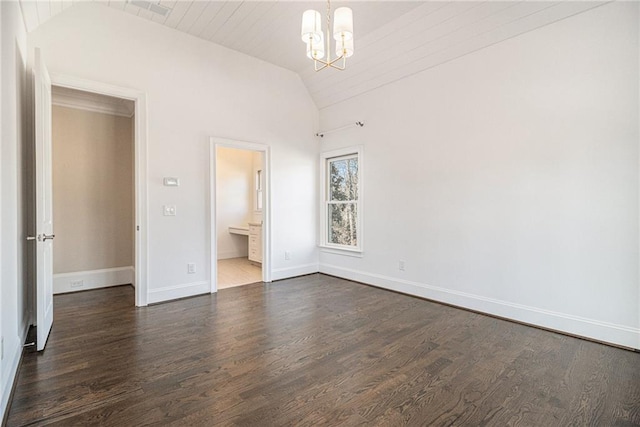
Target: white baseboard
623, 335
92, 279
232, 254
298, 270
15, 354
178, 291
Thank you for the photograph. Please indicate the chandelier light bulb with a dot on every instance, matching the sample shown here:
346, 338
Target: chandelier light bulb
343, 24
344, 48
311, 26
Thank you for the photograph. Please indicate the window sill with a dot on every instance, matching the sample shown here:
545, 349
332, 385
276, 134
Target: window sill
357, 253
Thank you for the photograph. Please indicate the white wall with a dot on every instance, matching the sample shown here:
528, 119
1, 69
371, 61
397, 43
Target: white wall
92, 190
508, 179
234, 176
92, 196
196, 90
14, 315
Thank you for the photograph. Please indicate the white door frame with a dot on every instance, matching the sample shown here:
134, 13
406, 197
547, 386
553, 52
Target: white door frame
140, 146
215, 142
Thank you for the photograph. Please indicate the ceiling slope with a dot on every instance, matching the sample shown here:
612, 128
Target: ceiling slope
393, 39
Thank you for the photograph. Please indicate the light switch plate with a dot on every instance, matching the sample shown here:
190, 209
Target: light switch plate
169, 210
170, 181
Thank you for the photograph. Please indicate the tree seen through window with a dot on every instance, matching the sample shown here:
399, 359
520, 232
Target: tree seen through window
342, 201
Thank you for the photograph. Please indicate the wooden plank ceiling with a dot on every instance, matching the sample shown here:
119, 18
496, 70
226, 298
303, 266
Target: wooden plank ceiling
393, 39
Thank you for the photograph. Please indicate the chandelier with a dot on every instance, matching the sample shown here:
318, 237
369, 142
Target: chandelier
313, 35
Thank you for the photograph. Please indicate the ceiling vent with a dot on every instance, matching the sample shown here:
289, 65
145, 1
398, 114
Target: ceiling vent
151, 7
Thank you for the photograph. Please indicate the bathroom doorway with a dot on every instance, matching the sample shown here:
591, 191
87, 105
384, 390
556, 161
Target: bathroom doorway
239, 204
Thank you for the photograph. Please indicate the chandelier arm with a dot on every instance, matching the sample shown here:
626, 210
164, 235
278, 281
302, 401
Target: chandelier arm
344, 63
315, 64
339, 67
331, 63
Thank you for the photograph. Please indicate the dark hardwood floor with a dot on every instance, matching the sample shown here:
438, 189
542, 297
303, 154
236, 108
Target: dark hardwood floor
314, 350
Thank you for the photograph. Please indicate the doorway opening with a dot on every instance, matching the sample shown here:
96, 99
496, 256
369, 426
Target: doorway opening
93, 190
136, 98
40, 259
240, 213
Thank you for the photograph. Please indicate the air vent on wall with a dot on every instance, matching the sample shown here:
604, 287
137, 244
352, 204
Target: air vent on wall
151, 7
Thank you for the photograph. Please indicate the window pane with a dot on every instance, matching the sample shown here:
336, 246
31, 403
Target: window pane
259, 190
343, 179
343, 224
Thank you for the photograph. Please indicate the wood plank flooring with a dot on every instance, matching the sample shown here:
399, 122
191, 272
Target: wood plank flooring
314, 350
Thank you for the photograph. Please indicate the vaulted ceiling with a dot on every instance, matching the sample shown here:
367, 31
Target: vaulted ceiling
393, 39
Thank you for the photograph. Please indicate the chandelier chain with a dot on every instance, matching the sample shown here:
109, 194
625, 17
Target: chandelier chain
328, 28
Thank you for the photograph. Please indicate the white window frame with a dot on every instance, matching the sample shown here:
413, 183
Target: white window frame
324, 201
258, 200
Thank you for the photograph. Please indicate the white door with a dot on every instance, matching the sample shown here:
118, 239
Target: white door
44, 205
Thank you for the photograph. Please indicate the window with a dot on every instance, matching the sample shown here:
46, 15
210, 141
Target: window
258, 187
342, 215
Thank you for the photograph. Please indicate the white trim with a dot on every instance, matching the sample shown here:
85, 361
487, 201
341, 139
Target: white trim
90, 108
638, 273
140, 143
232, 254
3, 381
357, 150
182, 290
12, 374
93, 279
213, 232
341, 251
215, 142
623, 335
88, 101
298, 270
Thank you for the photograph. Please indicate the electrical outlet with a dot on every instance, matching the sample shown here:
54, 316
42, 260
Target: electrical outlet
287, 256
169, 210
401, 265
191, 268
77, 284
